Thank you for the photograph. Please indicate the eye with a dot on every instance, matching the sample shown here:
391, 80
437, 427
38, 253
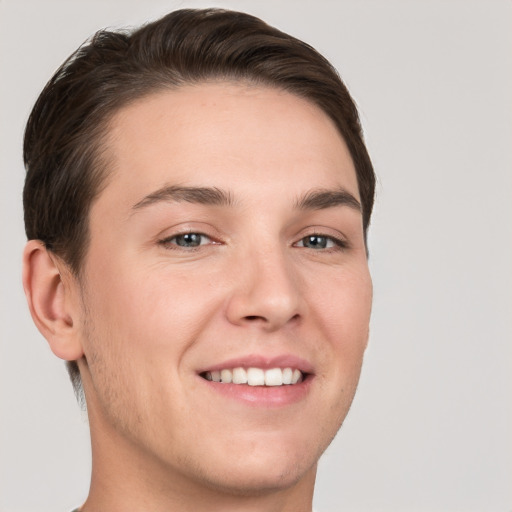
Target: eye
187, 240
320, 242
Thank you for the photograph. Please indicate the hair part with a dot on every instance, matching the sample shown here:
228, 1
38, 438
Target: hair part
64, 151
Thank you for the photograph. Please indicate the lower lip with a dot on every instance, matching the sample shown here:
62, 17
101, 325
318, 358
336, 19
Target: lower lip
263, 396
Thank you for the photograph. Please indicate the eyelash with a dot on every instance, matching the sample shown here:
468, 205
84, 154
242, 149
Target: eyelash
168, 241
338, 243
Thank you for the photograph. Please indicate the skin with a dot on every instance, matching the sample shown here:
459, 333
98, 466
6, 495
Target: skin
148, 314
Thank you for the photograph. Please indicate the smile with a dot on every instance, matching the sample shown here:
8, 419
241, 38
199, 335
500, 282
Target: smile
255, 376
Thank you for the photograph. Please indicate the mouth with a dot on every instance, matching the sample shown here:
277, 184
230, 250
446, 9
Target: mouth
254, 376
261, 381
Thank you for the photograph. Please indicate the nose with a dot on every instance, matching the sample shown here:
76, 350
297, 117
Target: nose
266, 292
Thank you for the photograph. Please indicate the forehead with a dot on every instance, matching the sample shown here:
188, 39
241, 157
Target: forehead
220, 134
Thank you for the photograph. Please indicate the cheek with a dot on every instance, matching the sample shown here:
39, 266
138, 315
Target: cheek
346, 307
343, 314
148, 319
341, 311
137, 330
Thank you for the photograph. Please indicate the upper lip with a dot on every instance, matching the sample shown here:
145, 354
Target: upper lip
263, 362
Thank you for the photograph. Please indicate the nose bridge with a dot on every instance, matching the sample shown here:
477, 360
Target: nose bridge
267, 290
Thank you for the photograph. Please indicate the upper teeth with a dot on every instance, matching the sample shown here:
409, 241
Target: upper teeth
256, 376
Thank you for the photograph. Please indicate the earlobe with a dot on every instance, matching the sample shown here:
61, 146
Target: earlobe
50, 301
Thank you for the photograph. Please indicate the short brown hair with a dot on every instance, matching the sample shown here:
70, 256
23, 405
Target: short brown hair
63, 151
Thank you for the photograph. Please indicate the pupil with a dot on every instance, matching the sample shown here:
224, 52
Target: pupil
189, 240
316, 242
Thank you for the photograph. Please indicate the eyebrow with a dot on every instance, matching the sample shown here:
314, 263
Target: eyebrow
201, 195
318, 199
321, 199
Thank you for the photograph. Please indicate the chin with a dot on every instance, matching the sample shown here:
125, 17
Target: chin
254, 479
259, 468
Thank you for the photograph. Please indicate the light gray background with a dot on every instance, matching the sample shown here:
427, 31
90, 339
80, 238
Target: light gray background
430, 429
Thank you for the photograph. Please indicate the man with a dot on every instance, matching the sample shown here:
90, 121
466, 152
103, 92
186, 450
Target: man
197, 200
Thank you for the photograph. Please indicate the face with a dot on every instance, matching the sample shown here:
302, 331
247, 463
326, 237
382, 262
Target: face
228, 244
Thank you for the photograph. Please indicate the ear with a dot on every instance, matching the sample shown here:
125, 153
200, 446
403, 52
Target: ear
52, 300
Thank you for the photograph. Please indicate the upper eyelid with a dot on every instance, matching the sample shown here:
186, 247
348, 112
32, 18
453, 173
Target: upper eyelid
185, 229
332, 233
338, 241
183, 233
